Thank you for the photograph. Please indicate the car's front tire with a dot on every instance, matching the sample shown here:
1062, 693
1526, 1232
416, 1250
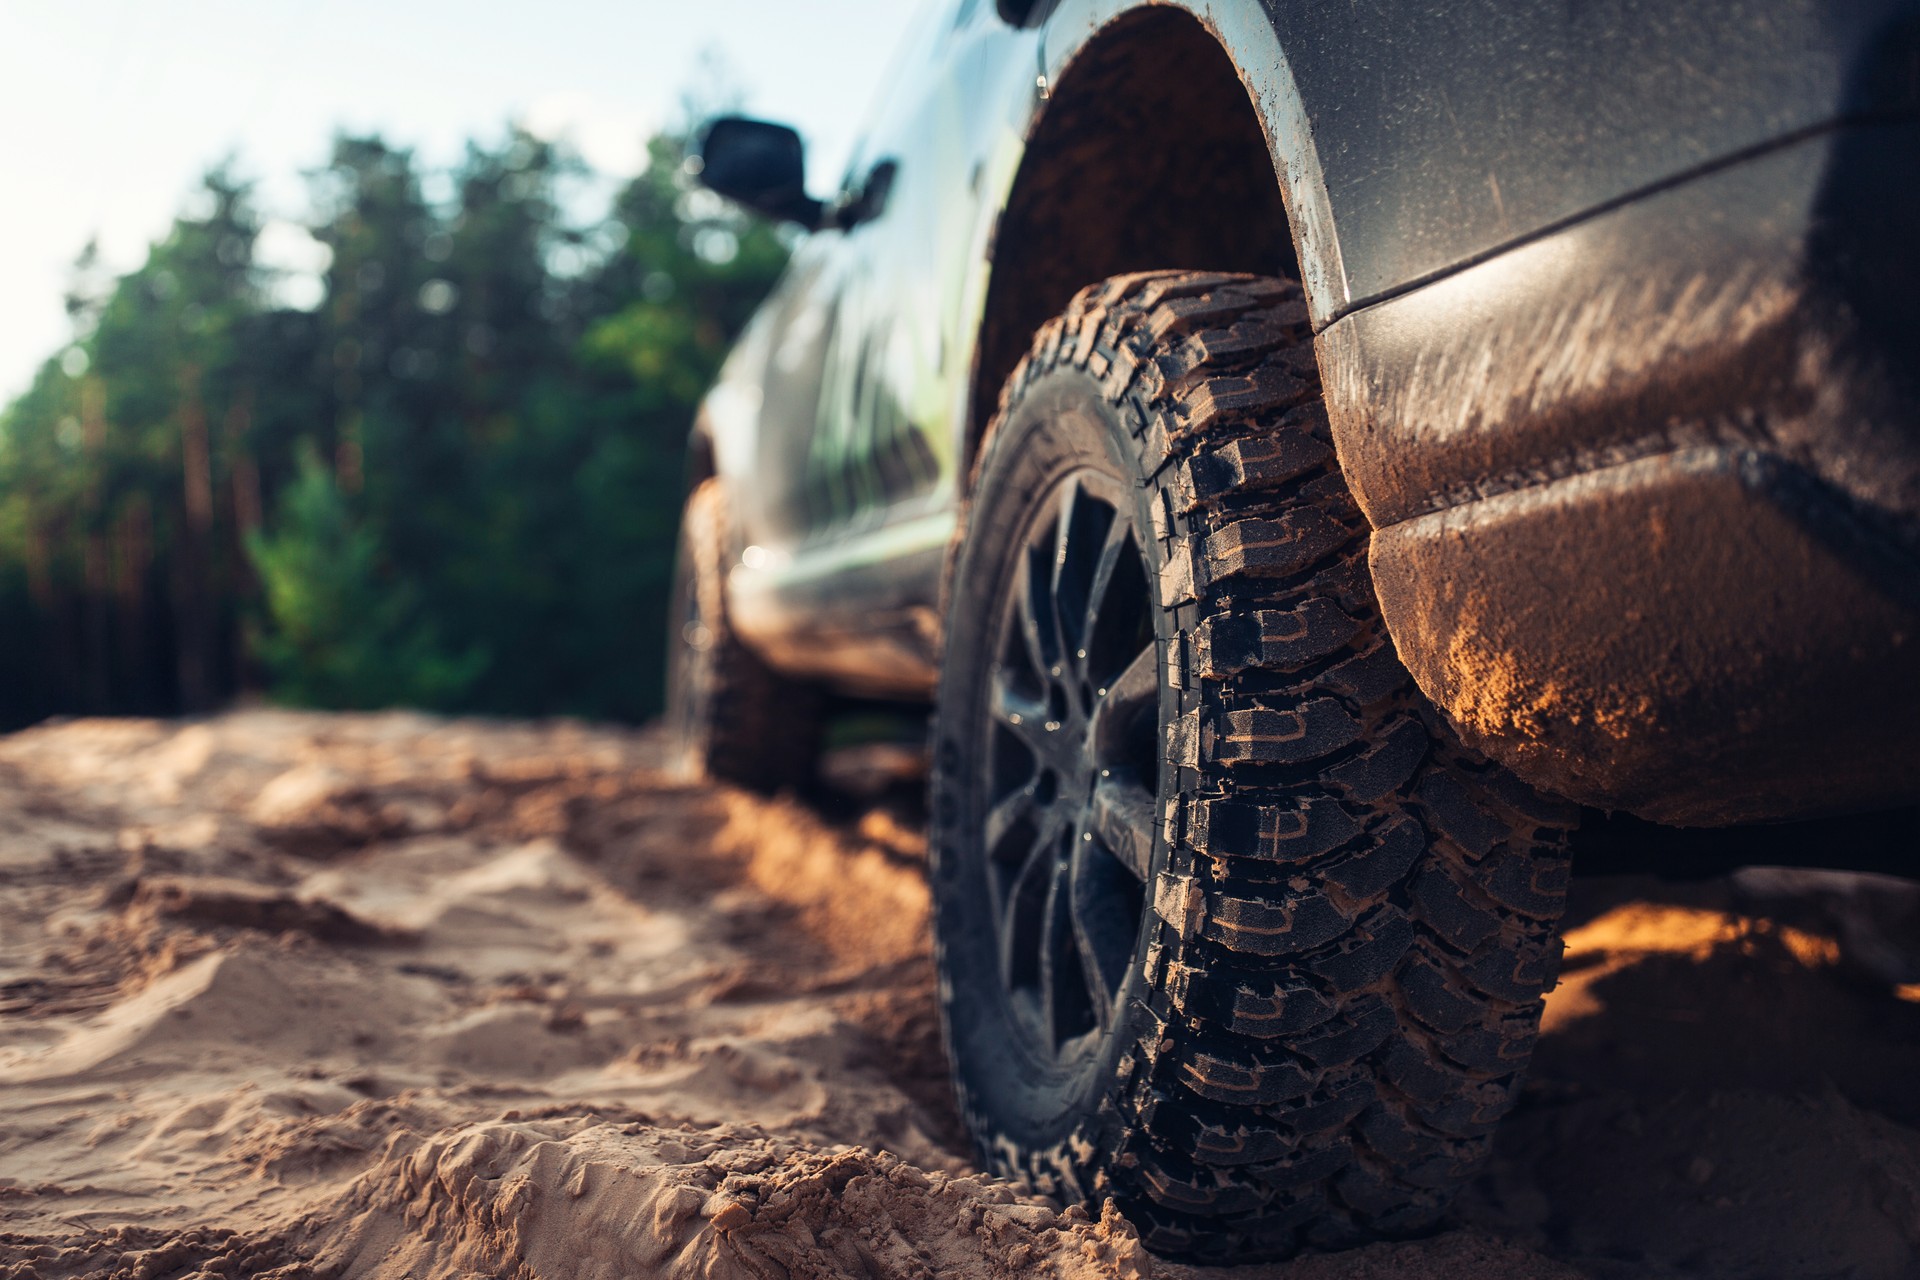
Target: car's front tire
1229, 928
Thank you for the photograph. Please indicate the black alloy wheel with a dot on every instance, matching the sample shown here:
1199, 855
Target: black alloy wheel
1071, 763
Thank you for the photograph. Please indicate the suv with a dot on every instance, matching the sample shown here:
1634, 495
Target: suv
1309, 455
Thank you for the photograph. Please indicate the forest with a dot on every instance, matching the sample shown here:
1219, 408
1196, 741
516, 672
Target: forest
452, 484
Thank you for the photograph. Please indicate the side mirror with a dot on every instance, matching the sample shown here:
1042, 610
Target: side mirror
759, 164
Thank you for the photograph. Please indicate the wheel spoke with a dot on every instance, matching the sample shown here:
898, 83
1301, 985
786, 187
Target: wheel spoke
1119, 542
1007, 814
1024, 717
1140, 682
1123, 706
1106, 916
1065, 1002
1034, 613
1022, 924
1085, 522
1120, 816
1063, 567
1063, 522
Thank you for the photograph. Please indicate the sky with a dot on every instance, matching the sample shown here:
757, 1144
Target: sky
111, 109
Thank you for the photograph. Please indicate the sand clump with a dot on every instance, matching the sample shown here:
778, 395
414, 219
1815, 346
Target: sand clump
602, 1200
304, 996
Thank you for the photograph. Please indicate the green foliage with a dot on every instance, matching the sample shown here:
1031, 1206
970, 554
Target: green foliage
453, 484
343, 634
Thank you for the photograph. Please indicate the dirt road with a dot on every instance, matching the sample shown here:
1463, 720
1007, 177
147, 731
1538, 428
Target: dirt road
305, 996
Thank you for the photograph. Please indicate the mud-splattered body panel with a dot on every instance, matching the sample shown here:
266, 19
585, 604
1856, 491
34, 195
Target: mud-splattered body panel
1546, 246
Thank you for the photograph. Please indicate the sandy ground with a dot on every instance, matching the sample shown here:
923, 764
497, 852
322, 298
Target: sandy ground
385, 996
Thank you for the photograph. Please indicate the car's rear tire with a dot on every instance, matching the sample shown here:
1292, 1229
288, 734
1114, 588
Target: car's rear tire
1229, 927
731, 716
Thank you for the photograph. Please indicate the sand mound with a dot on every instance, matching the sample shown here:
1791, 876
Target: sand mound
594, 1199
301, 997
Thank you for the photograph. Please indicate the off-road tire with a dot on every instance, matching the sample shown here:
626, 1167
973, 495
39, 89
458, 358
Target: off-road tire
732, 717
1348, 921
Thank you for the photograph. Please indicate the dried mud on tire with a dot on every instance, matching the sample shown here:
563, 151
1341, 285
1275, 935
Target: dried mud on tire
307, 996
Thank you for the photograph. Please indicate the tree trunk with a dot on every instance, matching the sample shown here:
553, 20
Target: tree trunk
96, 657
247, 517
192, 593
138, 646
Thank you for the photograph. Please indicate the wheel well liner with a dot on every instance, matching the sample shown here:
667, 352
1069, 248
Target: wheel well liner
1149, 154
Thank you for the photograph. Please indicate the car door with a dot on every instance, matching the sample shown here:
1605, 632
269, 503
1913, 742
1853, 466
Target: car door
862, 361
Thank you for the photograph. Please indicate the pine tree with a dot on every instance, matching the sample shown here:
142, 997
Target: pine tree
455, 483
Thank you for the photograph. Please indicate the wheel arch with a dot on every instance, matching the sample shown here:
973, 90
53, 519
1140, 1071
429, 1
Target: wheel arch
1140, 99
